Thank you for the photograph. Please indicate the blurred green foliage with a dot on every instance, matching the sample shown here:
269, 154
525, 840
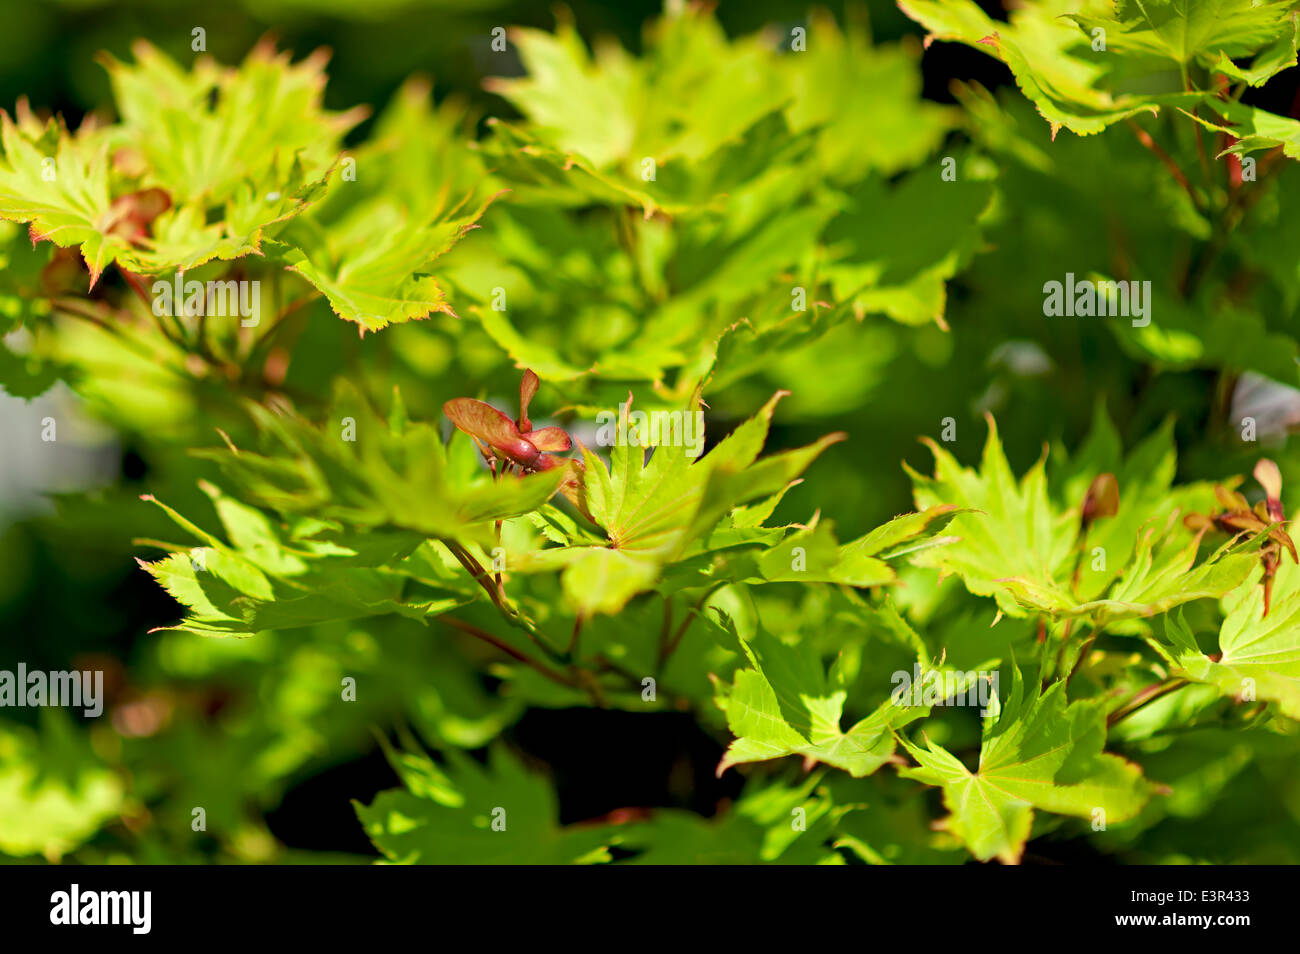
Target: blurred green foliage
812, 219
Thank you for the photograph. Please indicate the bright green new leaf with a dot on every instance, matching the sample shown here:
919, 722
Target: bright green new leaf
1253, 128
265, 579
1011, 531
1187, 31
1038, 752
1030, 553
64, 193
1271, 60
787, 704
659, 511
1259, 656
371, 244
1052, 60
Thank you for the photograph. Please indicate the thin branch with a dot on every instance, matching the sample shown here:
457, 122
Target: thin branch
264, 342
587, 680
1083, 654
1142, 698
1200, 151
636, 684
572, 651
509, 650
77, 308
666, 630
511, 615
1145, 139
137, 285
1060, 650
475, 570
672, 645
1239, 204
496, 576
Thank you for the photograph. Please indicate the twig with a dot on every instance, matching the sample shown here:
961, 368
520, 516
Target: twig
496, 576
573, 640
1200, 151
264, 341
509, 650
672, 645
511, 615
1145, 139
1142, 698
636, 683
1083, 654
1060, 650
76, 308
475, 570
588, 681
665, 631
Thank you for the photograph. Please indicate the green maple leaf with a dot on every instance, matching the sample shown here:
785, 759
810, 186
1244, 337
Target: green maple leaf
1145, 477
544, 174
357, 511
254, 142
370, 474
266, 578
893, 249
657, 512
746, 346
370, 245
1051, 60
373, 266
787, 704
1259, 656
1038, 752
205, 132
812, 554
1013, 530
841, 84
62, 193
251, 144
1268, 62
1254, 129
1187, 31
693, 95
448, 817
1023, 549
1161, 577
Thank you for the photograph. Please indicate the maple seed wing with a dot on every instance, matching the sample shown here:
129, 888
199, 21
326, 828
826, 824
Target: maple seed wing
527, 388
549, 439
1269, 477
487, 424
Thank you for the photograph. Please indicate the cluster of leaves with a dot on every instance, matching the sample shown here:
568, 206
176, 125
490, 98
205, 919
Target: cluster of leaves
700, 219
